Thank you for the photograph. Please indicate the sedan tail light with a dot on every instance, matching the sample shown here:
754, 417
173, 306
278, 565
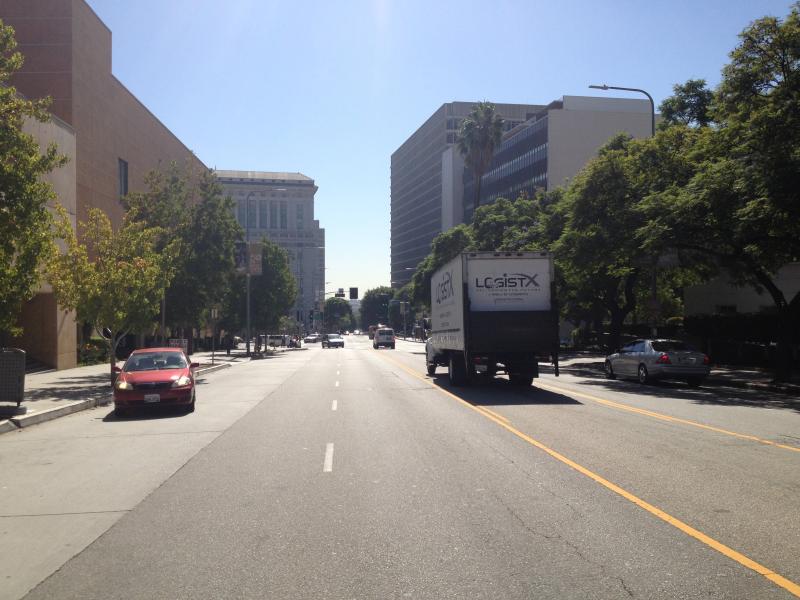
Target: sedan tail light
664, 359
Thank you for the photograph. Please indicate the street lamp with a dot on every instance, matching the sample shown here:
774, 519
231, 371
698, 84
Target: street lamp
627, 89
654, 282
247, 270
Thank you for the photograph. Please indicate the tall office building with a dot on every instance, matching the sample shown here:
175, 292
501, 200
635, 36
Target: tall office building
426, 182
280, 207
554, 145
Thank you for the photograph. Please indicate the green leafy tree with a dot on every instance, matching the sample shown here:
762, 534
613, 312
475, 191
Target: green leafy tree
206, 264
338, 315
597, 254
375, 305
690, 104
26, 225
480, 132
112, 279
740, 210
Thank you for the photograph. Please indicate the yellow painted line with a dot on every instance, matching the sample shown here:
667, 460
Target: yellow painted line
494, 414
663, 417
788, 585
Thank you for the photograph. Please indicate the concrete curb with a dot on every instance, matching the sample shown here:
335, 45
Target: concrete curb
206, 370
6, 425
52, 413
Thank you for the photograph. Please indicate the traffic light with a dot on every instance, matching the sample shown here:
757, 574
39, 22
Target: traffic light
353, 293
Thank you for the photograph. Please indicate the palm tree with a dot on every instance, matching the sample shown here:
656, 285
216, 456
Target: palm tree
479, 134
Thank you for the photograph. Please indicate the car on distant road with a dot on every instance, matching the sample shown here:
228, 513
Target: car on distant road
332, 340
154, 376
383, 336
650, 359
311, 338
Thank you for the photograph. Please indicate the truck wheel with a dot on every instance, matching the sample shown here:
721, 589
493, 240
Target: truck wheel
520, 380
456, 370
431, 367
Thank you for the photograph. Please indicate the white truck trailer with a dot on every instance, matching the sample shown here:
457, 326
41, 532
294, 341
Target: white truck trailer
493, 312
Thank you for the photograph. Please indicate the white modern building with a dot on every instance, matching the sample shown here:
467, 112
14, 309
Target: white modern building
280, 207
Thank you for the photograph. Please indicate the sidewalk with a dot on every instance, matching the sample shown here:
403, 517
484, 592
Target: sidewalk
721, 375
53, 394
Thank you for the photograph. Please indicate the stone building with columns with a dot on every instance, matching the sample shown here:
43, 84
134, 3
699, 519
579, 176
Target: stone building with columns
280, 207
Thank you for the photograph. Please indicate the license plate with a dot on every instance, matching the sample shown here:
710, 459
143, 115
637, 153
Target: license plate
152, 398
480, 368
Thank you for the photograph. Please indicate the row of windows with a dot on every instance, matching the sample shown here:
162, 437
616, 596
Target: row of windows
527, 186
271, 194
523, 134
520, 162
278, 214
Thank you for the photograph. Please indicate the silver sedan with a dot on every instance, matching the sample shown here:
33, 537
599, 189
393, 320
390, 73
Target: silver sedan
647, 360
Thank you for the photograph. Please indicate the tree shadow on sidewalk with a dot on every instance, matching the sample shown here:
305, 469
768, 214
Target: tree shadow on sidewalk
70, 389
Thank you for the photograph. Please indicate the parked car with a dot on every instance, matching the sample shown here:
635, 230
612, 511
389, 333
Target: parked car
155, 376
647, 360
384, 336
332, 340
311, 338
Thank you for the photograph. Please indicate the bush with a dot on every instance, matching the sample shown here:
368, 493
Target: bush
93, 352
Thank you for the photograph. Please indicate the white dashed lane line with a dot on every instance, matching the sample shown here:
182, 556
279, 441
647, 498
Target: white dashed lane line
327, 466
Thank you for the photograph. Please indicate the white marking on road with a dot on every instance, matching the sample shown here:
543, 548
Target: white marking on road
334, 405
327, 466
337, 384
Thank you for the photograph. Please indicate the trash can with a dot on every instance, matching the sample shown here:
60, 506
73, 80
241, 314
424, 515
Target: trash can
12, 375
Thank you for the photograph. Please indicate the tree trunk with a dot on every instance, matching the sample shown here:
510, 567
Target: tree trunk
787, 323
477, 201
112, 356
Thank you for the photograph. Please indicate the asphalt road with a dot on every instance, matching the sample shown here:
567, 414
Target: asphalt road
350, 474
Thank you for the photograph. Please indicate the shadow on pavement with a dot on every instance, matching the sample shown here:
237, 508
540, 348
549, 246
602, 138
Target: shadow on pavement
500, 392
68, 389
147, 413
717, 394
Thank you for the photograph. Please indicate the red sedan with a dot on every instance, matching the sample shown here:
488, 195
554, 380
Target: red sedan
155, 376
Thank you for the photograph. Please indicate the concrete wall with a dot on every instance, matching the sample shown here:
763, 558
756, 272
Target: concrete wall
577, 131
49, 333
709, 298
452, 188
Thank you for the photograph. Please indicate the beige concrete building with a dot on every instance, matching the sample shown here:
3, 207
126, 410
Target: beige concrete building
49, 333
280, 207
551, 147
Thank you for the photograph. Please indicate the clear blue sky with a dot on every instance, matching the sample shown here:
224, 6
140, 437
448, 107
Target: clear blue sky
331, 89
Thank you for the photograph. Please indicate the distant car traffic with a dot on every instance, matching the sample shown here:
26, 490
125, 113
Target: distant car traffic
332, 340
357, 332
646, 360
311, 338
154, 376
383, 336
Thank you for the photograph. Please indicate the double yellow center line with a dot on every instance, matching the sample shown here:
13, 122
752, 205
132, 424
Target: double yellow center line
740, 558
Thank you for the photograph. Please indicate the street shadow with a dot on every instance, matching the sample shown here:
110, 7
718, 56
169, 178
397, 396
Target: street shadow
147, 413
69, 389
713, 393
500, 392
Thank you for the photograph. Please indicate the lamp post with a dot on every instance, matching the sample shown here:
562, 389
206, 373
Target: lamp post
627, 89
654, 280
247, 271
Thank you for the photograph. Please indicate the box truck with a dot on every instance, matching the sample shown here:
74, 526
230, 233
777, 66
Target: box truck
493, 312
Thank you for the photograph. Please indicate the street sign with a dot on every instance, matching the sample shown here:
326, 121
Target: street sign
254, 258
179, 343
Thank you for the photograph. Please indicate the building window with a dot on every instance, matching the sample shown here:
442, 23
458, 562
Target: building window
300, 216
284, 216
123, 177
273, 214
251, 212
241, 216
262, 214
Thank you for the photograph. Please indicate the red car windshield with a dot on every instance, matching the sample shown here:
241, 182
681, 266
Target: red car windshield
153, 361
